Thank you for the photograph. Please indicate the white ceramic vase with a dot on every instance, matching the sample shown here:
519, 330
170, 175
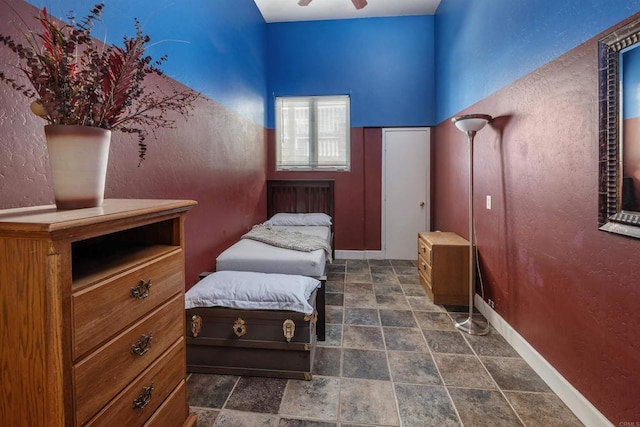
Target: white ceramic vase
78, 157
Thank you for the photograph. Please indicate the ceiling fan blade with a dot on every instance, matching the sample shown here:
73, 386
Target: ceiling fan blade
359, 4
304, 2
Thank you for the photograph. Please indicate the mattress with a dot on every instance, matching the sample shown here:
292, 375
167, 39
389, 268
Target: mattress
250, 255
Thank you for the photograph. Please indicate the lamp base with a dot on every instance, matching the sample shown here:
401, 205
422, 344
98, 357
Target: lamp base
472, 325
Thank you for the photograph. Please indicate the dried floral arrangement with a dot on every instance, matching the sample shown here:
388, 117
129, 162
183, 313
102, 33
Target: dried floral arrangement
76, 80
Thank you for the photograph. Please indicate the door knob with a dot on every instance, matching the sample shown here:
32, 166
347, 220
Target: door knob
422, 204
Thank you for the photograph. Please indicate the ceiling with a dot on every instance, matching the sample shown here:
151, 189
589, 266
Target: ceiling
289, 10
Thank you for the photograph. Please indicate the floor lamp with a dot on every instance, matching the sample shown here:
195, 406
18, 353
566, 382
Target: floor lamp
471, 124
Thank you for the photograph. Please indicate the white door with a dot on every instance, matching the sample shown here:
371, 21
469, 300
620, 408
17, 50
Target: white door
405, 190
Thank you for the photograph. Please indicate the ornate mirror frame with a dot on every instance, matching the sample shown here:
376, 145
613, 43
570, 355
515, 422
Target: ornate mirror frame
611, 216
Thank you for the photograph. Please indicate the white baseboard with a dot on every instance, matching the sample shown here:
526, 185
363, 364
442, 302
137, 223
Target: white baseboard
350, 255
575, 401
375, 255
359, 255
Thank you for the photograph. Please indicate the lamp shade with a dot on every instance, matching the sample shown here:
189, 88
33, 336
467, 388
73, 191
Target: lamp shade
471, 122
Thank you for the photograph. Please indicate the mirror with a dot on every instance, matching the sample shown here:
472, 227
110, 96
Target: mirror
619, 168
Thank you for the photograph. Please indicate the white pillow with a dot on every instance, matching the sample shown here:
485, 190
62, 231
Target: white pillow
249, 290
299, 219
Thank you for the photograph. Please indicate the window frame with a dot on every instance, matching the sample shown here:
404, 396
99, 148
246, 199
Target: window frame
312, 163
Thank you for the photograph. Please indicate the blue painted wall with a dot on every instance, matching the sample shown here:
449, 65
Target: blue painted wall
482, 46
215, 47
390, 66
384, 64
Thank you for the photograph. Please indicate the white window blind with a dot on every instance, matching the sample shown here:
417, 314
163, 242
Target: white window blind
312, 133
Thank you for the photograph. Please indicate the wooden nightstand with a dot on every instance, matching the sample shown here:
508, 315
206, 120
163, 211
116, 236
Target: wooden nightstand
92, 315
443, 263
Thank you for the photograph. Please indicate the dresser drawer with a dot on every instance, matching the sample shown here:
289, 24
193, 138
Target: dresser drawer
153, 386
424, 250
102, 310
104, 373
173, 411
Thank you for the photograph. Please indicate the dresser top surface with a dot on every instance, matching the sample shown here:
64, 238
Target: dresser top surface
443, 238
48, 218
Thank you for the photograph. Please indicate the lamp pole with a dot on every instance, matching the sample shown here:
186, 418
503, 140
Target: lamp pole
470, 124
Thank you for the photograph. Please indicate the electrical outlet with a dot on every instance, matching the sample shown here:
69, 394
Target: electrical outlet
490, 303
489, 202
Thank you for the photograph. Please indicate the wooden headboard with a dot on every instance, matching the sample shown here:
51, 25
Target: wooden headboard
301, 196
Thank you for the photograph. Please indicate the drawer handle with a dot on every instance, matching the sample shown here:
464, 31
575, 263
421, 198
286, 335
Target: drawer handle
143, 345
143, 398
141, 290
239, 327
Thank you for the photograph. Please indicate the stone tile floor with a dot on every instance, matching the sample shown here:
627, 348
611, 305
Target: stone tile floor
391, 358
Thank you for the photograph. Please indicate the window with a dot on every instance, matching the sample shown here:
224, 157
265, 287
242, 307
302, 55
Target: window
312, 133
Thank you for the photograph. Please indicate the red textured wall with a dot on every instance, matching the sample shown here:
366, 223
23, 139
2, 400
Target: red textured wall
570, 290
358, 192
373, 189
216, 158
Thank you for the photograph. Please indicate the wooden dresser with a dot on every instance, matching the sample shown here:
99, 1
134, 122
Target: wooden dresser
443, 263
92, 315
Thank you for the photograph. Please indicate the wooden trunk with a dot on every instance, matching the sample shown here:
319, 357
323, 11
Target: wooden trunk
270, 343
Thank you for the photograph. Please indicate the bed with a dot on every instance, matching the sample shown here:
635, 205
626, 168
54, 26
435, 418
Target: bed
289, 196
268, 353
253, 255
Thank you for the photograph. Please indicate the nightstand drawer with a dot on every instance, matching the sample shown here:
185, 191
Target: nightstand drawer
137, 403
101, 311
424, 250
106, 372
426, 284
424, 267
